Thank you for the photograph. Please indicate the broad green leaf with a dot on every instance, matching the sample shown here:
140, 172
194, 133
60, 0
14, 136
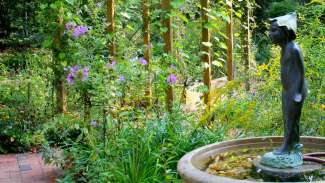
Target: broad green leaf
71, 2
47, 43
177, 3
163, 29
318, 1
223, 45
207, 44
206, 65
182, 17
126, 15
53, 6
217, 63
61, 56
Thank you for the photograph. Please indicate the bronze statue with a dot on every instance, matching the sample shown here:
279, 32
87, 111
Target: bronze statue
283, 33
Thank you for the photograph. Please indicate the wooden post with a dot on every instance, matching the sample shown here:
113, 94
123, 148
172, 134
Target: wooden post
246, 42
87, 107
61, 96
111, 27
206, 59
168, 39
147, 44
230, 43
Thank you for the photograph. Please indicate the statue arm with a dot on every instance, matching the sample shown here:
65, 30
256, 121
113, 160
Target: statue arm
300, 70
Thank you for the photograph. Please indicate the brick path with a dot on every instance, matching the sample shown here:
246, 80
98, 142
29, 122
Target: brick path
26, 168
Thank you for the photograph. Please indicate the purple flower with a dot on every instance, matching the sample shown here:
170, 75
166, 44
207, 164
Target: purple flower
85, 73
171, 79
111, 65
74, 70
143, 61
79, 31
122, 78
70, 79
94, 123
69, 26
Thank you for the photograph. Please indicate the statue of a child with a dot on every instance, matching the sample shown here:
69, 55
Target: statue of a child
283, 32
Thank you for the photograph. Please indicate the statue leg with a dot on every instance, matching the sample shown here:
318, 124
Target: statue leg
284, 147
291, 116
294, 113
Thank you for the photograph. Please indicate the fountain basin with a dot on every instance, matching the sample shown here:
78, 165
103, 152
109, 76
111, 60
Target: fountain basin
192, 166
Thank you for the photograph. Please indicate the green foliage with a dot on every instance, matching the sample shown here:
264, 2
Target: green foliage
23, 104
18, 23
281, 8
65, 129
132, 154
259, 112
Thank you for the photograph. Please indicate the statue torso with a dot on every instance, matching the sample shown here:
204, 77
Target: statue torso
291, 58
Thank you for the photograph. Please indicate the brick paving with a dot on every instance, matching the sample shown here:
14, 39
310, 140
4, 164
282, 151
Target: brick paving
26, 168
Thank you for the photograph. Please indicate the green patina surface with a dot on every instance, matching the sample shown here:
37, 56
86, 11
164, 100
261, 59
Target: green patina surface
286, 160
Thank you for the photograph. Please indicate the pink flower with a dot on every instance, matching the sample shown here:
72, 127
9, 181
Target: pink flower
111, 65
143, 61
171, 79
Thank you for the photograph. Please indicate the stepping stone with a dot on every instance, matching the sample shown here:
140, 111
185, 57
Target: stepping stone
25, 168
21, 157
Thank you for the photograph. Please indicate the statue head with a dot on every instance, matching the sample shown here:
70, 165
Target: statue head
283, 29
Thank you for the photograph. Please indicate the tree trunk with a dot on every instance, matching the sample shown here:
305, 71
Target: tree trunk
111, 28
230, 43
168, 39
206, 50
61, 96
147, 44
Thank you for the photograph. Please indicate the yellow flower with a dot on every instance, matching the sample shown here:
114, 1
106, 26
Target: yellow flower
322, 106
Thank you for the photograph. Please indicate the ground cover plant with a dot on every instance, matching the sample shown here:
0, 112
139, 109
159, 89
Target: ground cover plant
103, 95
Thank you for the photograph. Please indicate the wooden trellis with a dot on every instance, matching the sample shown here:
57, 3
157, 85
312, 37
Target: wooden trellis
147, 44
206, 57
230, 42
168, 39
111, 27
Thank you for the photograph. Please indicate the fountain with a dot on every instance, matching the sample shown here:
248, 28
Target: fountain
192, 167
246, 159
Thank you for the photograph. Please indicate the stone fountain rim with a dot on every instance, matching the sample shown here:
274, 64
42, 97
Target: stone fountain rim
188, 171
